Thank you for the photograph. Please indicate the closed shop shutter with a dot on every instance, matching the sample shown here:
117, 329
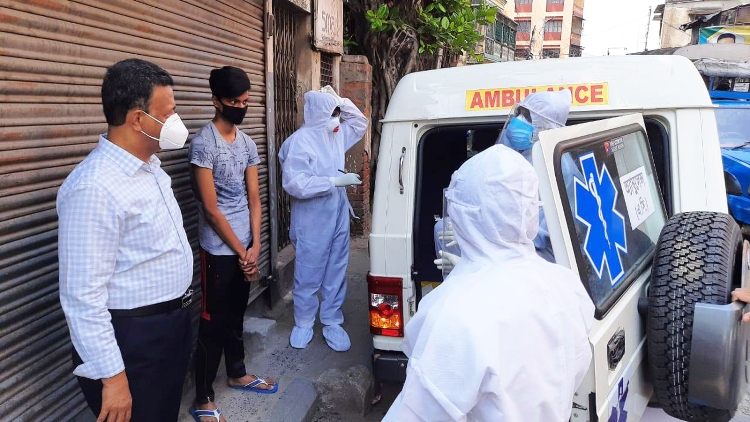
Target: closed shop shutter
53, 55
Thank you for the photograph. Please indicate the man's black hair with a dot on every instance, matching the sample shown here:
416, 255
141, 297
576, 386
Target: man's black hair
228, 82
727, 35
128, 84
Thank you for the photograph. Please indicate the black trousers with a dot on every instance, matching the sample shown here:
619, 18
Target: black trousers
225, 295
156, 352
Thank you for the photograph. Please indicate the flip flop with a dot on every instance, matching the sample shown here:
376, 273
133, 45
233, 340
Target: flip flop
252, 386
198, 414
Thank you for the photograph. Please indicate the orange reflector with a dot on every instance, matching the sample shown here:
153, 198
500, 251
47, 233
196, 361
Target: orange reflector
377, 320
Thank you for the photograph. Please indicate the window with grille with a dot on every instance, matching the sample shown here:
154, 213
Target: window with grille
549, 53
524, 27
555, 1
504, 34
575, 51
553, 26
524, 2
326, 69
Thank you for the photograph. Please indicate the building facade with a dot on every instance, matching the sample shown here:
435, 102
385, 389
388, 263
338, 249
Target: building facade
499, 44
681, 20
547, 28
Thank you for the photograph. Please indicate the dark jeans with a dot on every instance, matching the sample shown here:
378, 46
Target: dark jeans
156, 352
225, 295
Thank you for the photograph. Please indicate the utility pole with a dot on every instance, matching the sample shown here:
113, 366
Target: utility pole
648, 26
541, 37
530, 49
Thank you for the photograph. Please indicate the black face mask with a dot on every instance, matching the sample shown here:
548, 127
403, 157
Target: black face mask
234, 115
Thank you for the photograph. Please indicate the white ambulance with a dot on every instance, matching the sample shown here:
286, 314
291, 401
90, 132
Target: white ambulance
643, 130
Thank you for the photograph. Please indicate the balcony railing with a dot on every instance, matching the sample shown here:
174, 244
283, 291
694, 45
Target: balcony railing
496, 50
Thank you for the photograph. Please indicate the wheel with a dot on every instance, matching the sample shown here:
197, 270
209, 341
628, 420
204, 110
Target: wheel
697, 260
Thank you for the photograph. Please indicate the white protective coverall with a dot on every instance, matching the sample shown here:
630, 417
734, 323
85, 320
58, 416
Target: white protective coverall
549, 110
505, 337
319, 229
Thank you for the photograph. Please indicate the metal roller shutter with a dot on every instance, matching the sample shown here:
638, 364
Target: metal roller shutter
53, 55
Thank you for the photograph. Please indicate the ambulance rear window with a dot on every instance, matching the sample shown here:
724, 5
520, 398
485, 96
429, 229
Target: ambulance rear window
615, 207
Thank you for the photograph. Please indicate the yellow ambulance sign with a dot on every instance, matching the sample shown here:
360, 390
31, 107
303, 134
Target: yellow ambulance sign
592, 94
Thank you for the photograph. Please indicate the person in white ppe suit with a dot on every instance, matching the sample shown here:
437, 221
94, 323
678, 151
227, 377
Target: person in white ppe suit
515, 346
537, 112
312, 159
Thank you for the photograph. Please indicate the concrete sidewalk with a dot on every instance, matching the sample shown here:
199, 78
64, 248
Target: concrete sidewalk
268, 354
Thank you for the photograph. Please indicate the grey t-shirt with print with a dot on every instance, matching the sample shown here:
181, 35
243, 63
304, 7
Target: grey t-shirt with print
228, 161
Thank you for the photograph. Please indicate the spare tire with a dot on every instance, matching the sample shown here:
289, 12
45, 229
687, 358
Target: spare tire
697, 260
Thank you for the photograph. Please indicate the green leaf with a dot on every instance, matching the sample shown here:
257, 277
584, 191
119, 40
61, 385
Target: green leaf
445, 22
383, 11
441, 7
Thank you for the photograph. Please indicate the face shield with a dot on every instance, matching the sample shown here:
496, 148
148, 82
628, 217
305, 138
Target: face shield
518, 131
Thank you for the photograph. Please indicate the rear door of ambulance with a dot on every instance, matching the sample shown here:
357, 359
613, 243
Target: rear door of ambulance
604, 210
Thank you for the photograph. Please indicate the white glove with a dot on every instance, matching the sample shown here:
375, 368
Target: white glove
347, 179
328, 89
447, 236
446, 261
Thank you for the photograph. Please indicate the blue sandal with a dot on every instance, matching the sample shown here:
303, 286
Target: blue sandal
198, 414
253, 386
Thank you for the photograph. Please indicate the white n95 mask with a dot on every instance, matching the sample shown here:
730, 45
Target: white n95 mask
333, 124
173, 133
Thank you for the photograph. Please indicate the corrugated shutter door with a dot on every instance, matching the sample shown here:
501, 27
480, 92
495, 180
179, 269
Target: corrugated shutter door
53, 55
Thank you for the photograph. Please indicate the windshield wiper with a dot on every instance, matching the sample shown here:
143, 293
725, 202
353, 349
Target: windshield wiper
741, 146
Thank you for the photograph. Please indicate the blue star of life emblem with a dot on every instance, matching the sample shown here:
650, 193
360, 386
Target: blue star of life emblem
595, 200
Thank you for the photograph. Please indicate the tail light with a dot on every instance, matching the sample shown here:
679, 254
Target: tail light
386, 310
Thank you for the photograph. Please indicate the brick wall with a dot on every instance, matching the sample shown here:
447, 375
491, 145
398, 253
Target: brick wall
356, 84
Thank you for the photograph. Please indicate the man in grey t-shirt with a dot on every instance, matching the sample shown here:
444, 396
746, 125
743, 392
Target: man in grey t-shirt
224, 163
228, 163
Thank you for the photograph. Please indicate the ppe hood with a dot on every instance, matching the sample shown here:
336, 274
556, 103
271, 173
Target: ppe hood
493, 203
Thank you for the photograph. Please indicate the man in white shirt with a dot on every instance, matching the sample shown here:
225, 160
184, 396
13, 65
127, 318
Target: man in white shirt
125, 261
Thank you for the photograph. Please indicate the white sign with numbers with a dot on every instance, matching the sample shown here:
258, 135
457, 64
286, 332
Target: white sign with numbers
638, 197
